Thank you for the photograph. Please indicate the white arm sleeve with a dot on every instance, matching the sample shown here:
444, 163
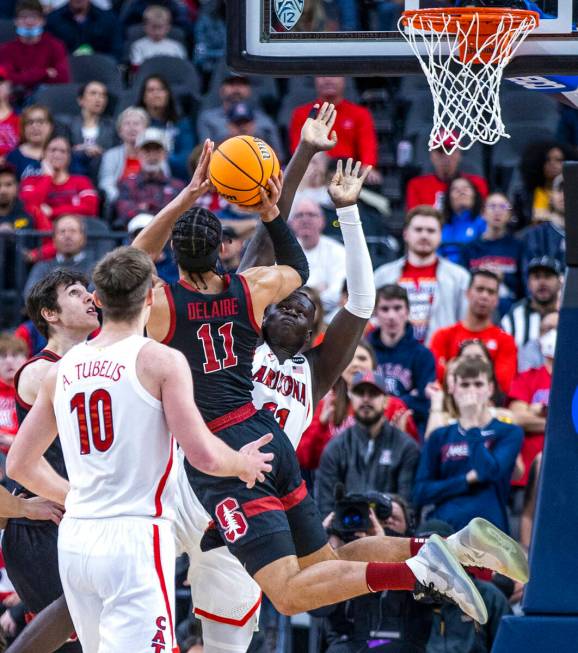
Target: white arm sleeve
358, 267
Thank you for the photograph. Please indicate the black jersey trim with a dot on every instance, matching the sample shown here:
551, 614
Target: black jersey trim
173, 315
249, 301
44, 355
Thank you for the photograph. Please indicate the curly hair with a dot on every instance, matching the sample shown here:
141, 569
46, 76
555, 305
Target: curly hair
196, 240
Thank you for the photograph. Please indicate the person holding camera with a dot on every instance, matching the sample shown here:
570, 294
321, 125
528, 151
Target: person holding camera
466, 467
369, 455
389, 621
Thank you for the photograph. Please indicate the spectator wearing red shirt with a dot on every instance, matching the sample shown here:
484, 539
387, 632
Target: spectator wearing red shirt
34, 57
58, 192
356, 136
431, 189
483, 299
334, 413
12, 357
436, 287
529, 397
9, 121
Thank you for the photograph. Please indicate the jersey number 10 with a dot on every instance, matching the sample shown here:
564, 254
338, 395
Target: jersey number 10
100, 413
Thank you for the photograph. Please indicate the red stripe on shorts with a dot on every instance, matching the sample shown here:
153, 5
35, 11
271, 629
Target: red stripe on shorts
162, 483
161, 577
226, 620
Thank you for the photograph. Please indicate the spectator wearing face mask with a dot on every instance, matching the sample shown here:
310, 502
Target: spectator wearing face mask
34, 57
529, 397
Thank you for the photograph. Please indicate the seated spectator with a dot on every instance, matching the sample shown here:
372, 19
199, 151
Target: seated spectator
529, 398
165, 264
530, 355
34, 57
232, 250
91, 132
541, 163
210, 37
356, 135
406, 365
13, 355
477, 324
122, 161
85, 29
36, 127
326, 257
33, 340
443, 410
156, 42
157, 99
9, 121
498, 250
69, 236
151, 189
436, 287
131, 13
431, 189
369, 455
462, 220
213, 123
334, 413
548, 238
58, 192
241, 121
466, 467
544, 284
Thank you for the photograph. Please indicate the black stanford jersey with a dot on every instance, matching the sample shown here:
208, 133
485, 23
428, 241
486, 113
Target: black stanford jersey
218, 335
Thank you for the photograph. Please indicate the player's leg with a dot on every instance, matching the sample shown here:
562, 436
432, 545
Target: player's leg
48, 631
224, 638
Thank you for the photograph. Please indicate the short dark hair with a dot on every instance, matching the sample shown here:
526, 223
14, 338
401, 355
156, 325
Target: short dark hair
471, 368
392, 291
82, 88
483, 272
44, 295
478, 200
122, 279
8, 169
28, 5
427, 211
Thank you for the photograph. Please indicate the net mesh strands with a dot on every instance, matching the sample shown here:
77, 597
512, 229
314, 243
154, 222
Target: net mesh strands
466, 52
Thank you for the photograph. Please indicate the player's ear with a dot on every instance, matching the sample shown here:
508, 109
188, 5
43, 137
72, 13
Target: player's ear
96, 300
149, 301
50, 316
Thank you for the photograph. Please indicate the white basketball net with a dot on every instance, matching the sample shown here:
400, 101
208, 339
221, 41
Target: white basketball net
465, 90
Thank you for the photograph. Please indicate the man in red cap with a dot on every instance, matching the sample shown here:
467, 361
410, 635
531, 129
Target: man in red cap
430, 189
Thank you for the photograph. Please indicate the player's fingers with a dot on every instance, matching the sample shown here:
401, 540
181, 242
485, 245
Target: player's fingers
250, 485
261, 478
348, 167
264, 196
323, 111
266, 457
356, 169
332, 118
333, 137
366, 173
266, 468
264, 439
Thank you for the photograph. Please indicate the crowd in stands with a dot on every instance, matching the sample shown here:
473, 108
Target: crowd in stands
445, 402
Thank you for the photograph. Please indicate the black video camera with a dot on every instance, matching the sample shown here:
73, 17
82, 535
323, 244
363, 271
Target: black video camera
352, 512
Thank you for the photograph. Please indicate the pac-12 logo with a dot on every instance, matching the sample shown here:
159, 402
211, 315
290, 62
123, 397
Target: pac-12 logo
289, 12
231, 519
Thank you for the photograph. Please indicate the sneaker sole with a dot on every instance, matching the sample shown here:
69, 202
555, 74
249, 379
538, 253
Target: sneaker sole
490, 538
462, 581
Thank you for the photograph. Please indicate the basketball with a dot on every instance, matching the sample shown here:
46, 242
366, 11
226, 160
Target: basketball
240, 166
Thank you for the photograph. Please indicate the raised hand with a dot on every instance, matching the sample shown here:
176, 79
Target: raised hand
318, 132
256, 463
200, 183
346, 185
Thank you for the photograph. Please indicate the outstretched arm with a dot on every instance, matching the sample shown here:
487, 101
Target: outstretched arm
317, 135
331, 357
154, 236
26, 463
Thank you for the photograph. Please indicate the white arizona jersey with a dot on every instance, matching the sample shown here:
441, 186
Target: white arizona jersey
116, 444
285, 389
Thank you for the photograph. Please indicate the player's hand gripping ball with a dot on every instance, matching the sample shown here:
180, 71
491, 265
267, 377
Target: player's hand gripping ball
240, 166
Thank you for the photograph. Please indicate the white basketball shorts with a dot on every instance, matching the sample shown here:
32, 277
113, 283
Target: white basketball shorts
221, 589
118, 577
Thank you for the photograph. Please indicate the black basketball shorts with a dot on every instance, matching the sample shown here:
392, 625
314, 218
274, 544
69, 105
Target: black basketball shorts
274, 519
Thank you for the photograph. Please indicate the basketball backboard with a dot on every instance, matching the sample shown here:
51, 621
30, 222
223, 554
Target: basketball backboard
296, 37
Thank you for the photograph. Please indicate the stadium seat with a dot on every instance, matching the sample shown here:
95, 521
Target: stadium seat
100, 67
526, 106
419, 116
60, 98
98, 237
176, 71
472, 159
7, 30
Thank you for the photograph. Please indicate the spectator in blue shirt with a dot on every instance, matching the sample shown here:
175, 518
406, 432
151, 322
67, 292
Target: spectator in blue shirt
498, 250
466, 467
462, 220
157, 99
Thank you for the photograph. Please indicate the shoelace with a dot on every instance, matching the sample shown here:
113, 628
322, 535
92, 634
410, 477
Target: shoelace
431, 592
